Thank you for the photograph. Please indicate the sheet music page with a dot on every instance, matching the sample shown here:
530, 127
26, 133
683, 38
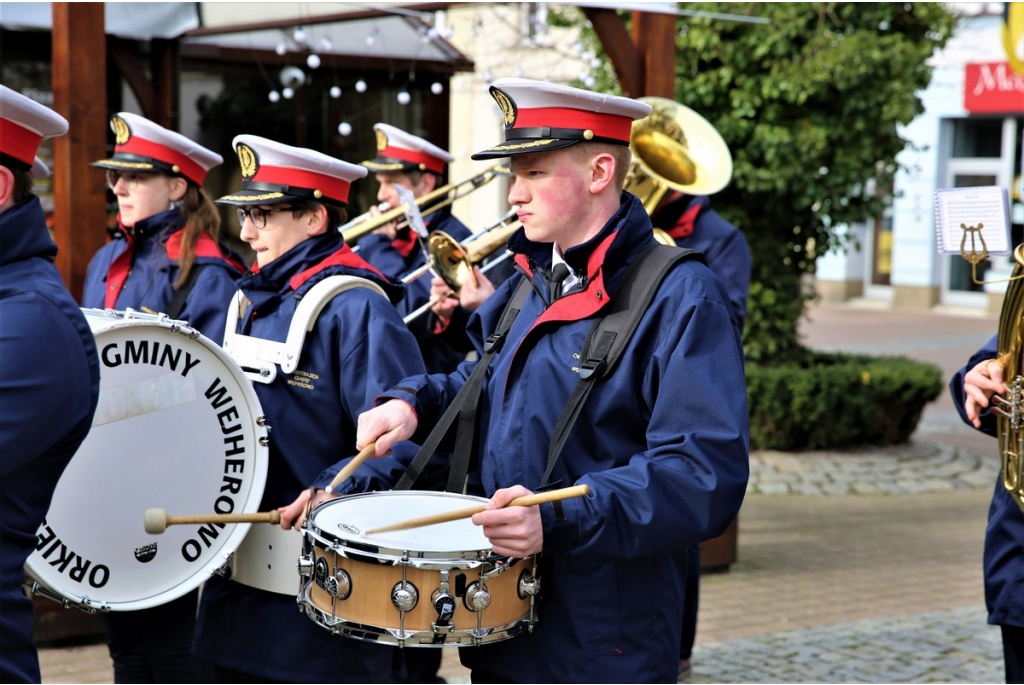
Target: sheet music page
988, 206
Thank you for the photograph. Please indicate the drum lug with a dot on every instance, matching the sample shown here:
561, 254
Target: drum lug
477, 597
87, 605
339, 585
225, 571
529, 584
305, 565
405, 596
261, 421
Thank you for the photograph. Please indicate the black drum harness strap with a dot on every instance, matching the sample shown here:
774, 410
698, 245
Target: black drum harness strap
605, 342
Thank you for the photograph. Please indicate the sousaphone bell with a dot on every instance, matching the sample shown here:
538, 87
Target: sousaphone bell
674, 148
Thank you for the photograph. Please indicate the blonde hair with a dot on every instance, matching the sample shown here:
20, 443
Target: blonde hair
584, 151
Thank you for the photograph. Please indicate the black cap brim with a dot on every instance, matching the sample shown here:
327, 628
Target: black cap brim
519, 146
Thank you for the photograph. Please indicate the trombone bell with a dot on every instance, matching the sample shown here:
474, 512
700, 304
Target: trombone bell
449, 260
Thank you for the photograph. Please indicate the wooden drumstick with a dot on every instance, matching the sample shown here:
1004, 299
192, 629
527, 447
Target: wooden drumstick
157, 520
363, 455
524, 501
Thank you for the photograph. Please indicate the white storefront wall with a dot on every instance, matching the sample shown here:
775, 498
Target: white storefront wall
916, 266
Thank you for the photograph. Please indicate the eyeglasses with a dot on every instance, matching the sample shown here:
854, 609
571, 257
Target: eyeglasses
131, 179
257, 215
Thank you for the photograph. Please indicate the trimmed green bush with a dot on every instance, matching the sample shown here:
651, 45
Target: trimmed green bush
836, 400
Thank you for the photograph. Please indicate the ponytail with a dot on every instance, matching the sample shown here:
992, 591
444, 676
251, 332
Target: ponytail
200, 217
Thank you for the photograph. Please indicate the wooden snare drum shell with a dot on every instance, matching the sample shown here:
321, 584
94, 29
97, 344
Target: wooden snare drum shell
369, 601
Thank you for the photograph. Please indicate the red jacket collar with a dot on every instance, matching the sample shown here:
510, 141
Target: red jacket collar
342, 257
205, 247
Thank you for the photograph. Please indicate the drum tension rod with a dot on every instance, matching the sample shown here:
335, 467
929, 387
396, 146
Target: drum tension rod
444, 605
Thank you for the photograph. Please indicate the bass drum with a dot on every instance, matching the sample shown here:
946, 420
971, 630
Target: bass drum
178, 427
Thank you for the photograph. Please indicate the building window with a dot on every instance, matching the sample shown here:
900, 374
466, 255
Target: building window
975, 138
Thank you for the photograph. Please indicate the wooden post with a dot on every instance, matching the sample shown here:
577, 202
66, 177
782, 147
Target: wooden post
621, 50
645, 64
654, 35
80, 96
165, 57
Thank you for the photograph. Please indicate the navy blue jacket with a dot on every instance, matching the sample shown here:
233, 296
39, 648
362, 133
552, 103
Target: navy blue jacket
49, 387
692, 223
358, 348
145, 261
403, 255
1004, 537
662, 443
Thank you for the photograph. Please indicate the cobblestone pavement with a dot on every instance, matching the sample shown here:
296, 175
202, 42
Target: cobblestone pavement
953, 646
916, 467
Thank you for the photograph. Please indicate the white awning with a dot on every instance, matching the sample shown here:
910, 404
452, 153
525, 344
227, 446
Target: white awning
138, 20
391, 37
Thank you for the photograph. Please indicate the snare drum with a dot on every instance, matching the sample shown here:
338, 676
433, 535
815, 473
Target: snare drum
178, 427
433, 586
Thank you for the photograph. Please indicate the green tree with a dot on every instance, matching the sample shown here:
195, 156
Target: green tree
810, 105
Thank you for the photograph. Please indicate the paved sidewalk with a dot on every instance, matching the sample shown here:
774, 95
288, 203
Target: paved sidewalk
937, 647
853, 566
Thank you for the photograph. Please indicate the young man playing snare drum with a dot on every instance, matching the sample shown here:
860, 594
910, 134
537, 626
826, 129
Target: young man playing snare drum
661, 442
291, 202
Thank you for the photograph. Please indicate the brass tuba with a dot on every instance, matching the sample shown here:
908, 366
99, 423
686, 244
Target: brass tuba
1009, 410
674, 148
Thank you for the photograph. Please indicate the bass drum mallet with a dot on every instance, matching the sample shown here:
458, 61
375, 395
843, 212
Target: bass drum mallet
157, 520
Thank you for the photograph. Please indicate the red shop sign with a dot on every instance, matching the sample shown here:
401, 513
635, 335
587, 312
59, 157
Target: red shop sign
992, 87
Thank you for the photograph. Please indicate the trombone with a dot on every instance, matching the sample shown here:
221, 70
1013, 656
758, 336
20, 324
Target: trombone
450, 192
453, 261
365, 216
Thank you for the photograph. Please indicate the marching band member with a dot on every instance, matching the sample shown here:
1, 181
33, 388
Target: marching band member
49, 372
972, 388
166, 256
666, 466
291, 202
693, 223
411, 162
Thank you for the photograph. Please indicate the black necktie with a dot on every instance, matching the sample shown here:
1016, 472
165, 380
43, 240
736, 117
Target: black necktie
558, 274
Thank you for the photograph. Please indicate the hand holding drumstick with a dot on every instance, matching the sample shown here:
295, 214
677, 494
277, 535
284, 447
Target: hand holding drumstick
294, 514
512, 531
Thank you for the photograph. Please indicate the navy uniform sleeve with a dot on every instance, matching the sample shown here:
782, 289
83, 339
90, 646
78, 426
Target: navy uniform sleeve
379, 352
376, 249
956, 387
688, 483
45, 386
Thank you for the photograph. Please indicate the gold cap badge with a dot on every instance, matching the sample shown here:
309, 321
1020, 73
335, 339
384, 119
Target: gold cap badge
382, 139
121, 131
247, 158
508, 108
